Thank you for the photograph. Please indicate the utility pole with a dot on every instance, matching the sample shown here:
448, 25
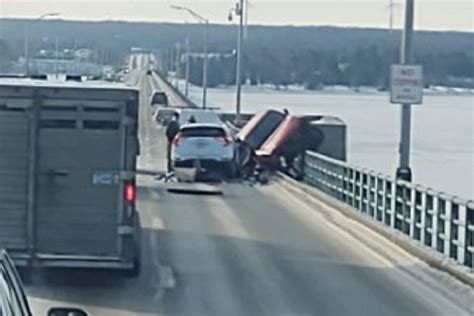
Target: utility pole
186, 88
27, 49
205, 62
206, 57
404, 171
238, 80
57, 57
178, 64
391, 7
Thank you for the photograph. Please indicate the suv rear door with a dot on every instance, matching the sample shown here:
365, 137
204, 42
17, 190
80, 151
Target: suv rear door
203, 142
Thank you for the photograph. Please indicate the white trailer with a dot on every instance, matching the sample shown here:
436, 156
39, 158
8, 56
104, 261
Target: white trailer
68, 156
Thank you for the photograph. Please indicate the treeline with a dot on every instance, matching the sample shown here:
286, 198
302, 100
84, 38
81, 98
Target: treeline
279, 55
314, 69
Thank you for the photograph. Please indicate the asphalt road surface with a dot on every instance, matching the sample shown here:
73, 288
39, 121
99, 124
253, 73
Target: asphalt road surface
255, 250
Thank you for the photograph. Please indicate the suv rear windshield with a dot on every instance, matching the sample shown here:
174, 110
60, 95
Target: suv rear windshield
203, 132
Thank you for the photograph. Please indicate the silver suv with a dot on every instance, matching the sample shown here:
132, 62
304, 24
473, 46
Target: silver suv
208, 147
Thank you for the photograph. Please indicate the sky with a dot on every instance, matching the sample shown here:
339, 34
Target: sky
429, 14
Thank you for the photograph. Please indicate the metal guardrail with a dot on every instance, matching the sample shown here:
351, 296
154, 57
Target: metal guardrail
439, 221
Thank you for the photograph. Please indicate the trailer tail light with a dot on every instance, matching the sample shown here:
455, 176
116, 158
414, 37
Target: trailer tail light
226, 140
130, 193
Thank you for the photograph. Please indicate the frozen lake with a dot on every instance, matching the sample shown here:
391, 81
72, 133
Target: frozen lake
442, 129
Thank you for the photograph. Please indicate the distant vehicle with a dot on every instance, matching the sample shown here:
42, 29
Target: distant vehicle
149, 72
110, 77
382, 88
13, 301
72, 182
119, 78
159, 98
199, 116
163, 115
205, 146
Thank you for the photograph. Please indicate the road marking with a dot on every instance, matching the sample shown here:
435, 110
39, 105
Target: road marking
157, 223
166, 281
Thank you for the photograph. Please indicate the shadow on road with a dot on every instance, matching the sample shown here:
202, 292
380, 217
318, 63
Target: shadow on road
312, 282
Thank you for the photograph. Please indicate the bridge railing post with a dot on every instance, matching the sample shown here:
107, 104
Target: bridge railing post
421, 210
411, 214
469, 235
448, 236
441, 222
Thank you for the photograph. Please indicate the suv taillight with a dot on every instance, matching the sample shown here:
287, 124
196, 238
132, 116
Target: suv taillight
130, 193
176, 139
227, 140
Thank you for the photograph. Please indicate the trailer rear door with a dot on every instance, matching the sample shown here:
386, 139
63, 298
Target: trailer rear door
80, 153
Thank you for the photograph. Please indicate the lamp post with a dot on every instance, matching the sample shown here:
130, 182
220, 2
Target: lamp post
404, 171
27, 39
205, 63
239, 11
186, 88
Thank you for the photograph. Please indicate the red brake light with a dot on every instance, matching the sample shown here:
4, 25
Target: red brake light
130, 193
227, 140
176, 139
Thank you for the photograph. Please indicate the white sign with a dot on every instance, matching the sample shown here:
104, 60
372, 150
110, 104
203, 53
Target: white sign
407, 84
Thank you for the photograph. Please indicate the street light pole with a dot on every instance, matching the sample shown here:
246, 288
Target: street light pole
404, 171
238, 80
177, 64
206, 57
205, 66
186, 87
391, 7
56, 64
27, 49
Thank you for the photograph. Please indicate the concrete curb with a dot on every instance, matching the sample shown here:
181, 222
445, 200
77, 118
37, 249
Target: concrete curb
315, 198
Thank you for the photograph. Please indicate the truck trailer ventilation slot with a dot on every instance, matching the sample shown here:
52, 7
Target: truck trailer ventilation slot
103, 110
58, 124
101, 125
59, 108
